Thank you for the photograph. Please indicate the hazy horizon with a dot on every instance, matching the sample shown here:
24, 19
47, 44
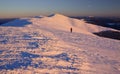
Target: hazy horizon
22, 8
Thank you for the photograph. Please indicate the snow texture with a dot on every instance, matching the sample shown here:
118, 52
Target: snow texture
45, 45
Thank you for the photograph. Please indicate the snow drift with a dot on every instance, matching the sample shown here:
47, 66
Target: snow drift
45, 45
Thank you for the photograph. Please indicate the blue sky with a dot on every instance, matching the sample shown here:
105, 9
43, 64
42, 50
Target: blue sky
20, 8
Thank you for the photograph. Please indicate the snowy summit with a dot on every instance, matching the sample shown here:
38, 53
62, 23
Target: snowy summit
46, 45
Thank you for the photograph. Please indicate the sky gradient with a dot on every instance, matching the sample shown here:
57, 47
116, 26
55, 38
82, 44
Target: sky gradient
20, 8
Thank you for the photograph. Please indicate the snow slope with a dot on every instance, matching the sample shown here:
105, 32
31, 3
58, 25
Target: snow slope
45, 45
62, 22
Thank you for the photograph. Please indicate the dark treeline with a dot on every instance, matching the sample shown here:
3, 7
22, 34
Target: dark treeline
109, 34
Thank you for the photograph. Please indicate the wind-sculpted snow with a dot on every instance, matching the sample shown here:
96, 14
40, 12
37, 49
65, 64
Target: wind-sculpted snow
46, 46
18, 23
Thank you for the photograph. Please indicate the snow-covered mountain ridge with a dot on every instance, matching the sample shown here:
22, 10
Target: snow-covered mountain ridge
46, 45
58, 21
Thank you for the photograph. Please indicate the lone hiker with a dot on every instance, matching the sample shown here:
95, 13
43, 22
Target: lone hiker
71, 29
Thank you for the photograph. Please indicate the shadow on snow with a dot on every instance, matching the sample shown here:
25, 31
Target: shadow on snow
24, 61
17, 23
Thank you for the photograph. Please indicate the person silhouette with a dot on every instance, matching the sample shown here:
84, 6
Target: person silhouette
71, 29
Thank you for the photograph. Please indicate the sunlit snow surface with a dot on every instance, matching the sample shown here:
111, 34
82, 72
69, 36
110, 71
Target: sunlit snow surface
46, 46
